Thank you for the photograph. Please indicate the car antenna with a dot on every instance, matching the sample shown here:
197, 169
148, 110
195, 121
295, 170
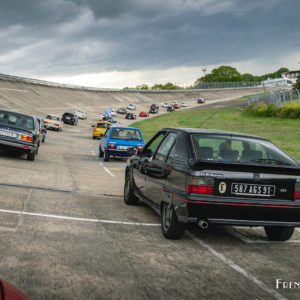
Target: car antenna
213, 114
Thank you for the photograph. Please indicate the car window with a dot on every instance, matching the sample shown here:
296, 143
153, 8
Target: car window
165, 146
239, 150
151, 147
22, 121
125, 134
103, 125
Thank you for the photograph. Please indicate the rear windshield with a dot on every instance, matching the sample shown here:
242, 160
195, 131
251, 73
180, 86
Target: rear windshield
13, 119
239, 150
55, 118
103, 125
125, 134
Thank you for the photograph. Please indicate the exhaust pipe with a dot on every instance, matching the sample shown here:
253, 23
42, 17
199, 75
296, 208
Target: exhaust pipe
203, 224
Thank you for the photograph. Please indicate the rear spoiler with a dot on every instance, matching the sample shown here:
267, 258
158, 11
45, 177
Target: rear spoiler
198, 165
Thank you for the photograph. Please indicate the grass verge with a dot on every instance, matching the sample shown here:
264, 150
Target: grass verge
283, 132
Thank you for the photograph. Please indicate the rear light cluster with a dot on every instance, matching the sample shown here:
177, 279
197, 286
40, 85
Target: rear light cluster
297, 191
200, 185
45, 122
139, 148
111, 146
56, 124
26, 138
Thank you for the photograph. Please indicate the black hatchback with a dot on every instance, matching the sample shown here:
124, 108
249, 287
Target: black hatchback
215, 177
69, 118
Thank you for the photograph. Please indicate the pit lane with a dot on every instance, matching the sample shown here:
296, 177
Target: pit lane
66, 234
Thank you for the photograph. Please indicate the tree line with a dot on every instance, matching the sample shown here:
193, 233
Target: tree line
221, 74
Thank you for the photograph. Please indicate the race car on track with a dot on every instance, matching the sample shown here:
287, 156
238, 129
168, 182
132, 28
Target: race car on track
215, 177
143, 114
100, 129
53, 122
117, 139
130, 116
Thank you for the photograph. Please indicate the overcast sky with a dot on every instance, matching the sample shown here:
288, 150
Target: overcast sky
117, 43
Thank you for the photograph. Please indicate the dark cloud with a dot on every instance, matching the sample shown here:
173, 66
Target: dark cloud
73, 37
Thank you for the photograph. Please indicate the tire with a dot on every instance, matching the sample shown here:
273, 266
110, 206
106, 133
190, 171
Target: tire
105, 156
44, 138
101, 153
31, 156
279, 233
170, 226
129, 197
94, 137
37, 149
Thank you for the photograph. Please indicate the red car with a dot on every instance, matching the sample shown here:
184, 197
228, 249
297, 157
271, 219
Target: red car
176, 106
10, 292
143, 114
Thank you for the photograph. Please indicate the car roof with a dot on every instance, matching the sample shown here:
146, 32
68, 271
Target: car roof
211, 131
103, 122
123, 127
17, 113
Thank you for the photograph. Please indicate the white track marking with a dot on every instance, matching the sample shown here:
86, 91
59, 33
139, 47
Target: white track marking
249, 240
236, 267
109, 172
74, 218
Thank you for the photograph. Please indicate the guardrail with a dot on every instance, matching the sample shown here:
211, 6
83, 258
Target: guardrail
277, 98
209, 86
222, 85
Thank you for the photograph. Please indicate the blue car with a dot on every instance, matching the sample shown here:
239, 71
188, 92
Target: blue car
117, 139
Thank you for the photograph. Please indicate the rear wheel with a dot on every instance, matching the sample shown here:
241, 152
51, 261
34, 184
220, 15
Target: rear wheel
279, 233
31, 156
106, 156
101, 153
171, 227
129, 197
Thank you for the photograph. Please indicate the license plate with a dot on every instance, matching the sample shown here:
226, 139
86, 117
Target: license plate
68, 118
252, 189
7, 133
122, 147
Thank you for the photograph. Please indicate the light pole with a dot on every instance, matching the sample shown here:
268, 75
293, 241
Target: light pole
204, 70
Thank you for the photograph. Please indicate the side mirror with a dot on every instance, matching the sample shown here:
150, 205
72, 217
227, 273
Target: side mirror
132, 151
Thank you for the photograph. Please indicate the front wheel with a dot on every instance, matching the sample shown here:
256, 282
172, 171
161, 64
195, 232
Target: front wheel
129, 197
106, 156
279, 233
171, 227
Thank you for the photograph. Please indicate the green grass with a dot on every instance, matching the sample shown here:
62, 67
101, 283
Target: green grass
283, 132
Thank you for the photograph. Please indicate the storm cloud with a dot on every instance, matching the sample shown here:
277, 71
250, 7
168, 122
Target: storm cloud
72, 37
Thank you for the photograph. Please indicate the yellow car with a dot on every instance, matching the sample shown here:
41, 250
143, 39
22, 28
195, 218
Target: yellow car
100, 129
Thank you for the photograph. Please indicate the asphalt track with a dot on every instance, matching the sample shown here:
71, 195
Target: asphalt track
66, 234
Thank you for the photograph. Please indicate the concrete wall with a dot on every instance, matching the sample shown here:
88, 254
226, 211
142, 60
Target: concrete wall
43, 99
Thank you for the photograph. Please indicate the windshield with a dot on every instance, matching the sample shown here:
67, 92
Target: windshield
239, 150
22, 121
125, 134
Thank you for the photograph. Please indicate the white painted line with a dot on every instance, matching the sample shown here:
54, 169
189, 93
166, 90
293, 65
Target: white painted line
236, 267
254, 240
109, 172
75, 219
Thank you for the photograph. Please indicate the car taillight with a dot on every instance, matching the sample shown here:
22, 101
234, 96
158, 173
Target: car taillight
73, 119
111, 146
200, 185
140, 148
45, 122
297, 191
27, 138
56, 124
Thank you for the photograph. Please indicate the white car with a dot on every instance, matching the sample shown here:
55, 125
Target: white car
114, 123
81, 114
184, 104
165, 104
174, 102
131, 106
53, 122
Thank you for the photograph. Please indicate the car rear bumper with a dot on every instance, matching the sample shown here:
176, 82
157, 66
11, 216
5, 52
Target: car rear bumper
280, 213
23, 147
118, 153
